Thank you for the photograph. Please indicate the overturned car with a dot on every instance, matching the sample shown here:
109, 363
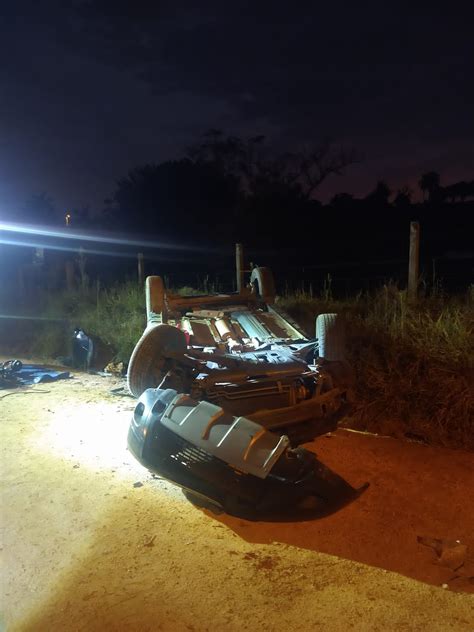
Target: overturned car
229, 387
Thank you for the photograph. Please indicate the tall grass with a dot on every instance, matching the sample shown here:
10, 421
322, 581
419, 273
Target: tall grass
414, 361
115, 317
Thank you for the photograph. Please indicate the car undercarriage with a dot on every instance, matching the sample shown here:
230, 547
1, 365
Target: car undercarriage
229, 387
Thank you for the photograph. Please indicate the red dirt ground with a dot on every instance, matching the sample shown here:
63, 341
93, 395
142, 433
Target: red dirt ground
85, 549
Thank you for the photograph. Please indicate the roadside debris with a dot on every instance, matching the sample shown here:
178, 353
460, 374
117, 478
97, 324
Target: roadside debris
13, 373
8, 371
115, 368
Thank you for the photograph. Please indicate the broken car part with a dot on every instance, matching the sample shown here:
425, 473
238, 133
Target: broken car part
231, 462
241, 355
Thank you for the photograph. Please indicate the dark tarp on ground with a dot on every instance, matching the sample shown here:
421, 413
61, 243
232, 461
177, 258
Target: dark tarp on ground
30, 374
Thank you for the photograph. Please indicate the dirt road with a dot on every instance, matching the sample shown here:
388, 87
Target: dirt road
92, 542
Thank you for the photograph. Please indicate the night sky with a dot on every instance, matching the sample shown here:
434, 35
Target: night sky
89, 90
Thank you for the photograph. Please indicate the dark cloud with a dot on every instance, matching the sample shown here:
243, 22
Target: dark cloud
338, 65
88, 89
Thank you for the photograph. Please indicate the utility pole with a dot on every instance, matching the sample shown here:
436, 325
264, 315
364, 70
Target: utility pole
414, 261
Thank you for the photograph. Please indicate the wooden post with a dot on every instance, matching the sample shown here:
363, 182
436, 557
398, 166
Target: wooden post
141, 269
414, 260
239, 267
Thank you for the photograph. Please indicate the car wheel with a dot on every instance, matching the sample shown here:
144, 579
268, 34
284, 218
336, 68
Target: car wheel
263, 283
148, 363
330, 333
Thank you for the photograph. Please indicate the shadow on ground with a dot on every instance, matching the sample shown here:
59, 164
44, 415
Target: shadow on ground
415, 491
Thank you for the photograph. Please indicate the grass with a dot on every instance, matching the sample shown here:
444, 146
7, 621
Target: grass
414, 361
115, 317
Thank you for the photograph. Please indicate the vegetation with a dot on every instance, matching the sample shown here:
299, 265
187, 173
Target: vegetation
115, 316
414, 362
229, 183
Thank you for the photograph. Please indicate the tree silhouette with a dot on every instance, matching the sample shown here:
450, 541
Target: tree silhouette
380, 195
242, 158
227, 187
459, 190
342, 201
176, 198
299, 173
312, 166
403, 197
429, 184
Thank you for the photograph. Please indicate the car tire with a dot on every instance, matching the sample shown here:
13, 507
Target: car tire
148, 366
330, 333
263, 283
